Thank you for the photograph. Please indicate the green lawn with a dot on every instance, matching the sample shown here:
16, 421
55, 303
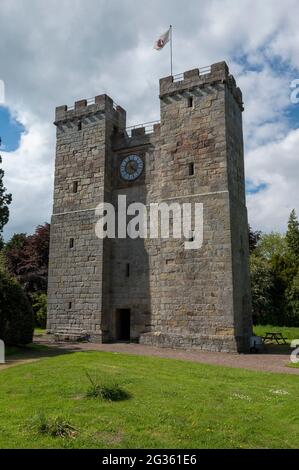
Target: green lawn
39, 331
287, 331
173, 403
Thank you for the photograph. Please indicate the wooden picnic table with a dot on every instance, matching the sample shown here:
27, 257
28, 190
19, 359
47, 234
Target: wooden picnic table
274, 336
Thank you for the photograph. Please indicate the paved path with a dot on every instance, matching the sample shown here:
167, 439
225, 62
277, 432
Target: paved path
267, 362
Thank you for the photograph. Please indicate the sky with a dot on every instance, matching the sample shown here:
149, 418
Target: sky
56, 52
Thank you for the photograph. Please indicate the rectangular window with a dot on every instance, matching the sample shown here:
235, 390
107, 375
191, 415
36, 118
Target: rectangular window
79, 126
191, 169
75, 186
71, 243
190, 102
70, 305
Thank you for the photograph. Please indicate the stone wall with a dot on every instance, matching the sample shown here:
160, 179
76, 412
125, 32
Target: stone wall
77, 274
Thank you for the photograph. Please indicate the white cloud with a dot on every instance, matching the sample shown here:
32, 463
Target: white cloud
55, 52
266, 95
29, 176
275, 164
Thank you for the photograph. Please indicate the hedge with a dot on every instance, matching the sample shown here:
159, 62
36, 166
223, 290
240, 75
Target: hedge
16, 315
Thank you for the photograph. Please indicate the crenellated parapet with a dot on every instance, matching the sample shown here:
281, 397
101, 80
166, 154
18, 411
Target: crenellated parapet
83, 109
138, 135
199, 79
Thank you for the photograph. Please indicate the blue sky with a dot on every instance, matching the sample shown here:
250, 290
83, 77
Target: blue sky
10, 130
107, 47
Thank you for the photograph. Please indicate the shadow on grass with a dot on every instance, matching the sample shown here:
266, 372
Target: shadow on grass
15, 355
282, 349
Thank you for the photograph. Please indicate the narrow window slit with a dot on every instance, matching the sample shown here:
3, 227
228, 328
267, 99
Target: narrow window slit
75, 186
127, 270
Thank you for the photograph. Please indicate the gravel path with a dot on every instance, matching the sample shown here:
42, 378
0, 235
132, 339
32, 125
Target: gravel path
266, 362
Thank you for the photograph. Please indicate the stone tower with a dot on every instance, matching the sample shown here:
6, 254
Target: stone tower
153, 290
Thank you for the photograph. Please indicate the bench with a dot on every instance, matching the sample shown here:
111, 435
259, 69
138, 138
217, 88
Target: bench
74, 334
272, 336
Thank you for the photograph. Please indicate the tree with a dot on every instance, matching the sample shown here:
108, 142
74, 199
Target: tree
262, 288
292, 296
16, 318
26, 258
39, 305
13, 253
270, 245
292, 235
253, 238
5, 200
274, 268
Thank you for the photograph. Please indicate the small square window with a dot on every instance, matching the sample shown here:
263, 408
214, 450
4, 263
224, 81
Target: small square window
71, 243
191, 236
190, 102
75, 186
191, 169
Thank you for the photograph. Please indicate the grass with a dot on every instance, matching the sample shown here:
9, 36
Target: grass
173, 404
40, 331
287, 331
57, 426
105, 389
293, 364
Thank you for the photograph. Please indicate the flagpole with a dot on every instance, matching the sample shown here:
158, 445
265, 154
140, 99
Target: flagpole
170, 27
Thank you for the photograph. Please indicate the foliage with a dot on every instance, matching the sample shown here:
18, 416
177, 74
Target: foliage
16, 316
39, 305
274, 268
253, 238
292, 296
292, 235
5, 200
175, 404
270, 245
26, 258
56, 426
109, 391
262, 287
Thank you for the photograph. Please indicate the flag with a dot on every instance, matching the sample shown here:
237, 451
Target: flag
162, 40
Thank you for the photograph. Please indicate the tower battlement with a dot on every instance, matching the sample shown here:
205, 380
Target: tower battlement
100, 104
195, 80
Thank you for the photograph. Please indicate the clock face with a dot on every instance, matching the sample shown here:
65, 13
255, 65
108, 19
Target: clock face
131, 167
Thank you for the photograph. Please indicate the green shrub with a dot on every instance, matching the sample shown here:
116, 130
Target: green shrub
108, 391
16, 315
39, 305
56, 426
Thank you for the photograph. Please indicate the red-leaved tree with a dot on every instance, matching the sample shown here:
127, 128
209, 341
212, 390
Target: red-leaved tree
27, 257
